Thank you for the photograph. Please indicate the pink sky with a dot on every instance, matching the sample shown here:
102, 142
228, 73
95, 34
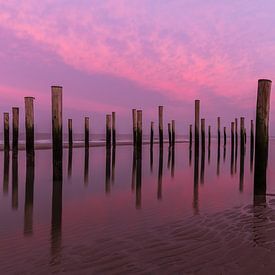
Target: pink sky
115, 55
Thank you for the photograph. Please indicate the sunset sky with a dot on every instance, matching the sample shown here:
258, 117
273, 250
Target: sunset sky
115, 55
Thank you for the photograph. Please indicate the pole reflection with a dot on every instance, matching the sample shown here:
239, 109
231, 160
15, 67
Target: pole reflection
160, 172
14, 198
70, 161
29, 190
113, 163
6, 172
108, 170
56, 224
138, 177
86, 165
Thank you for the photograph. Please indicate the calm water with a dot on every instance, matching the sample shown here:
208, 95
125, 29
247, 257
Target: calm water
112, 214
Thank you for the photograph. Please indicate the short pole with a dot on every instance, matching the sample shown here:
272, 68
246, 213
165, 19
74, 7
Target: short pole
232, 134
160, 126
173, 133
209, 137
87, 132
203, 134
219, 130
6, 132
236, 131
57, 134
169, 134
252, 133
15, 128
190, 135
114, 128
224, 136
152, 134
242, 132
139, 129
29, 124
134, 118
197, 122
70, 132
108, 130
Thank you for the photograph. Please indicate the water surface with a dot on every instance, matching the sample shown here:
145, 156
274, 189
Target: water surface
111, 213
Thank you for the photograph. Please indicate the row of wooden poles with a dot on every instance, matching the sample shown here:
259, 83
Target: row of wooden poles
262, 121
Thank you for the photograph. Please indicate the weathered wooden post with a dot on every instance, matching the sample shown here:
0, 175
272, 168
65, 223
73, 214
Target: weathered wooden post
262, 136
232, 133
197, 122
161, 126
6, 132
202, 150
224, 136
236, 131
70, 132
139, 129
57, 131
134, 118
87, 132
108, 130
29, 124
203, 134
242, 134
152, 135
173, 137
232, 147
251, 144
252, 133
190, 135
114, 128
219, 130
209, 137
169, 134
196, 151
15, 127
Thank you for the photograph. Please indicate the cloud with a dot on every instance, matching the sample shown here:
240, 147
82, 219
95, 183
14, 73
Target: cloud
174, 46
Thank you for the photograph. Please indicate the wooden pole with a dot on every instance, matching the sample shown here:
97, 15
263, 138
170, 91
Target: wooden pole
242, 132
15, 128
134, 117
114, 128
57, 129
190, 135
169, 134
87, 131
224, 136
219, 130
70, 131
236, 131
252, 133
244, 135
203, 134
160, 126
197, 122
232, 134
173, 133
108, 130
6, 132
152, 134
139, 129
29, 124
209, 137
262, 136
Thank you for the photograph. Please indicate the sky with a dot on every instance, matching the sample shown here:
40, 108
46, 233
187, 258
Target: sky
115, 55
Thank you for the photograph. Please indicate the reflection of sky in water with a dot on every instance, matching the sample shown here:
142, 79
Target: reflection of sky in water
108, 220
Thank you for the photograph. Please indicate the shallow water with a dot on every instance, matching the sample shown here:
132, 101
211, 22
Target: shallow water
112, 214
